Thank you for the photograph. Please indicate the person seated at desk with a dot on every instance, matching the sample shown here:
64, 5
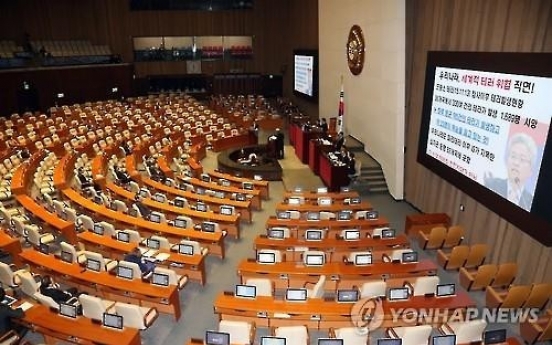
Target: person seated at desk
122, 177
135, 256
154, 171
339, 141
126, 149
50, 289
252, 160
351, 168
84, 181
323, 126
6, 316
143, 209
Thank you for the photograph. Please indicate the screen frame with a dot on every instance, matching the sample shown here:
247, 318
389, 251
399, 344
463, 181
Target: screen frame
530, 64
185, 245
303, 291
226, 335
308, 263
238, 286
502, 331
315, 72
118, 317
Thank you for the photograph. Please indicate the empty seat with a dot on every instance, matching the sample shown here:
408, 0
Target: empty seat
505, 275
539, 296
466, 332
533, 331
454, 236
478, 279
513, 298
317, 289
411, 335
434, 239
453, 260
93, 307
294, 335
351, 336
263, 286
135, 316
241, 332
478, 253
424, 285
376, 288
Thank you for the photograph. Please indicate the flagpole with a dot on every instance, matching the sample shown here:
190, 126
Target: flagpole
341, 110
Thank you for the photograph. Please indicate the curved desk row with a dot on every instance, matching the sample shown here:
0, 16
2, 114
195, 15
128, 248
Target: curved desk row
334, 227
192, 266
213, 241
286, 274
165, 298
322, 314
262, 185
334, 207
80, 330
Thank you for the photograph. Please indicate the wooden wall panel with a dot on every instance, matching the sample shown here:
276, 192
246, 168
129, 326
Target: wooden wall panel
472, 25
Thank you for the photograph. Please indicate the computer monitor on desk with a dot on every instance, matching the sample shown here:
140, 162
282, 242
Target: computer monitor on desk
180, 223
294, 201
245, 291
125, 272
153, 243
344, 215
314, 216
208, 226
273, 341
444, 340
445, 290
322, 190
363, 259
296, 295
98, 229
217, 338
227, 210
398, 294
409, 257
185, 249
123, 236
155, 217
324, 201
283, 215
372, 215
179, 202
247, 185
389, 341
112, 321
276, 233
266, 258
315, 259
202, 207
348, 295
66, 256
497, 336
68, 310
351, 235
160, 279
93, 265
314, 235
205, 178
330, 341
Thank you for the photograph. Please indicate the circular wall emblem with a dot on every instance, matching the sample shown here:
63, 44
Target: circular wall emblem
355, 50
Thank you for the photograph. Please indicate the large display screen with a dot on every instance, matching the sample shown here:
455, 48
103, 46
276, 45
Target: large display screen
305, 74
486, 129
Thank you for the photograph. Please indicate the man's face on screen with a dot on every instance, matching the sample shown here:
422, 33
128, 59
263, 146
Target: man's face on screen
519, 163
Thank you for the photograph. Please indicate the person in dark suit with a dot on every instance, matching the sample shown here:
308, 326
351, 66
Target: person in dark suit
339, 141
7, 314
324, 126
520, 162
127, 150
144, 210
53, 290
136, 256
83, 179
280, 143
351, 166
121, 176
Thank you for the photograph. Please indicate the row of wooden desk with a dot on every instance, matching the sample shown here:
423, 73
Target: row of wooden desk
191, 265
322, 314
165, 298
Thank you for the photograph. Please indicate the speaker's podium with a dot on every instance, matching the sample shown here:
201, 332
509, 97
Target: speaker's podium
272, 147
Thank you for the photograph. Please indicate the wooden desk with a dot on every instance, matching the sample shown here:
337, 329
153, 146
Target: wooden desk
333, 176
313, 195
230, 223
415, 223
225, 143
191, 265
81, 330
298, 226
321, 314
214, 241
335, 248
51, 219
12, 246
255, 193
338, 274
242, 207
334, 207
165, 298
262, 186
